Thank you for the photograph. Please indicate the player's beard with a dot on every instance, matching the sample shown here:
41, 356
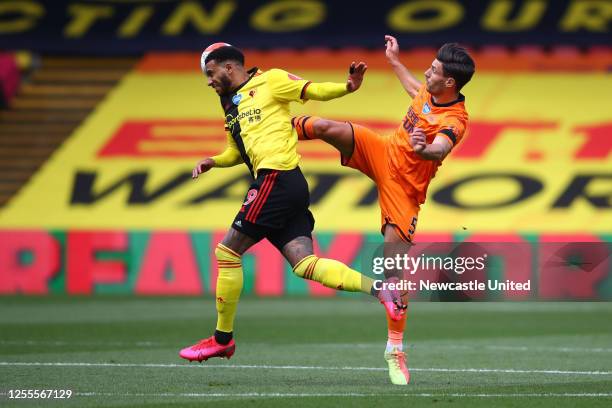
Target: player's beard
226, 85
434, 88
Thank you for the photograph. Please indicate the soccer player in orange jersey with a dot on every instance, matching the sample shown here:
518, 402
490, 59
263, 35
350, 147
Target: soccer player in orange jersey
403, 164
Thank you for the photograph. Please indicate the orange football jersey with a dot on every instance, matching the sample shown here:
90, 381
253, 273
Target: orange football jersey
405, 165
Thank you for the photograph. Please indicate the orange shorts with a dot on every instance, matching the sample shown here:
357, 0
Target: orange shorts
398, 207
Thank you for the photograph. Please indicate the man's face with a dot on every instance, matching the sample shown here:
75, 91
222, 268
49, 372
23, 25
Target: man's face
218, 77
435, 80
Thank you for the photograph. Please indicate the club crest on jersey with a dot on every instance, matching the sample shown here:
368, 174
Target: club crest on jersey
251, 195
236, 99
426, 108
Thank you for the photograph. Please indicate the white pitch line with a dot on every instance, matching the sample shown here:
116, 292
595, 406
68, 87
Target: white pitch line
291, 367
349, 394
553, 349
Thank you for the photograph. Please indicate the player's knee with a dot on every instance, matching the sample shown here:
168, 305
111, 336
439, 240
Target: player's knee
322, 127
223, 253
219, 252
305, 267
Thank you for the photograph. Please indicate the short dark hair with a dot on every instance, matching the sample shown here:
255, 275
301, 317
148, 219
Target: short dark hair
227, 53
456, 63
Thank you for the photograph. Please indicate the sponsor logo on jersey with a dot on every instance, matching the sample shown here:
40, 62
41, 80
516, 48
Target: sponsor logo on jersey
236, 99
251, 114
426, 108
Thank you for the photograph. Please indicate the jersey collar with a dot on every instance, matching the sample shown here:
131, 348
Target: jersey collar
252, 72
461, 98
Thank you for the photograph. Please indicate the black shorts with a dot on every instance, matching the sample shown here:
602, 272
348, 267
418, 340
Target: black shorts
276, 208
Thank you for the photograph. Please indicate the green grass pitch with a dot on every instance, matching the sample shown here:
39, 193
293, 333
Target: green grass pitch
120, 351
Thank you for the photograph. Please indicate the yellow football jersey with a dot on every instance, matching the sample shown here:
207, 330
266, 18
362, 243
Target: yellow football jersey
258, 120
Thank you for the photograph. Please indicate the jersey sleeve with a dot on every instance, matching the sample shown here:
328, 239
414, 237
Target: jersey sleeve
230, 156
286, 87
324, 91
453, 128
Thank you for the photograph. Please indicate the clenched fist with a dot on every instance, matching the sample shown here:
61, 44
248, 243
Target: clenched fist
202, 167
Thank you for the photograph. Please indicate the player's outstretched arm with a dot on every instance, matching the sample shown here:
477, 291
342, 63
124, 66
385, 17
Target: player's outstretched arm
410, 83
230, 157
325, 91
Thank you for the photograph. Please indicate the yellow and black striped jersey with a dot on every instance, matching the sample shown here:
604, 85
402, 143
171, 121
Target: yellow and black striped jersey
258, 120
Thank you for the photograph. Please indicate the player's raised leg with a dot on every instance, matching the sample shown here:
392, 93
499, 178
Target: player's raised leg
338, 134
329, 272
229, 286
335, 274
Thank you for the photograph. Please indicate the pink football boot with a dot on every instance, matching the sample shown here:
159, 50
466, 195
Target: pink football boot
207, 348
392, 300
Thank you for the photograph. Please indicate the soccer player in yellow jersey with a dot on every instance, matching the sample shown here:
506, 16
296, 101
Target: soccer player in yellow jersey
260, 135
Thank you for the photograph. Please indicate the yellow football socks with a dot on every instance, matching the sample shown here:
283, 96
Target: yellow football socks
333, 274
229, 286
